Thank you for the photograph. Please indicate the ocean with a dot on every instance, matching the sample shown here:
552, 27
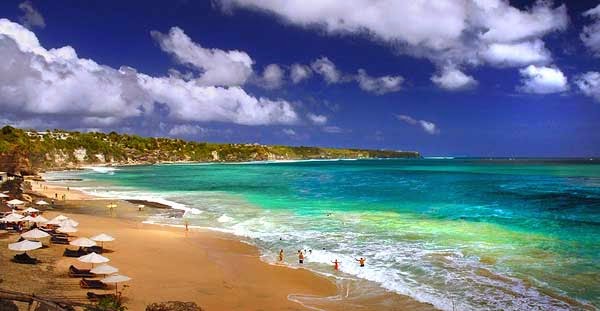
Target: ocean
468, 234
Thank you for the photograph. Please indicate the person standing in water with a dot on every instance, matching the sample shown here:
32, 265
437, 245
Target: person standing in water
300, 257
361, 261
336, 265
281, 255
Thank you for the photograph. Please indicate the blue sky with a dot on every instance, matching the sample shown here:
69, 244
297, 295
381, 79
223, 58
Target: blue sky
443, 78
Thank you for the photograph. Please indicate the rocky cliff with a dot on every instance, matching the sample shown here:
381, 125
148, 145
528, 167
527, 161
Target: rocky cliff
27, 152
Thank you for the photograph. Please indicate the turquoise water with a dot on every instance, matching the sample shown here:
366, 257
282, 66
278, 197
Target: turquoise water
482, 234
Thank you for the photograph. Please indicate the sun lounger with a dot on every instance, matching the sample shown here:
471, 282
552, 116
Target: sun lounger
59, 240
71, 253
95, 297
80, 273
95, 249
91, 284
25, 259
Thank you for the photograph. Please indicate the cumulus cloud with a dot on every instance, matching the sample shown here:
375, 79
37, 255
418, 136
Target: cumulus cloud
317, 118
40, 82
427, 126
333, 129
326, 68
289, 132
542, 80
378, 85
186, 130
591, 33
458, 31
217, 67
272, 77
31, 17
516, 54
300, 72
589, 84
452, 79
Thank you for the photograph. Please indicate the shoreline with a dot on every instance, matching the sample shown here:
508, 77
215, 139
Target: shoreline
347, 294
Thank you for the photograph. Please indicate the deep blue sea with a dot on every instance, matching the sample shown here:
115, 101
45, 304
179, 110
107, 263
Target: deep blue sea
484, 234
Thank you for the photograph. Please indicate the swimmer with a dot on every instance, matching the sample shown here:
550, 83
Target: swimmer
281, 255
336, 265
361, 261
300, 257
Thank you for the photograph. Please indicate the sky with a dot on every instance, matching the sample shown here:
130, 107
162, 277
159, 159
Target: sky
445, 78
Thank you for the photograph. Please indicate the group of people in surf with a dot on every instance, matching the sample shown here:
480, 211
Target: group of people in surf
336, 263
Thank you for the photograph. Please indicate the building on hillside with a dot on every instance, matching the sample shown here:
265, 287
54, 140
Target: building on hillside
3, 177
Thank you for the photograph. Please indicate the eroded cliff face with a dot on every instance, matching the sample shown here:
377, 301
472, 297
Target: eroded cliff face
16, 163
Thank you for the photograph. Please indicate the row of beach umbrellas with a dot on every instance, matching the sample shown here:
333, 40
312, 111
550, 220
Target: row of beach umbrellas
68, 224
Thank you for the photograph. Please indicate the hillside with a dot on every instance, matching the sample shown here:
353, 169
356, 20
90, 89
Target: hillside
28, 152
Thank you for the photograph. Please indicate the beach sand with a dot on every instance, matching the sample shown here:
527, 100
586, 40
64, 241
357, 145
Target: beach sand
215, 270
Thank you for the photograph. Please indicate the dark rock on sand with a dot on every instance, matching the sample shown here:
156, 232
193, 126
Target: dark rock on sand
7, 305
173, 306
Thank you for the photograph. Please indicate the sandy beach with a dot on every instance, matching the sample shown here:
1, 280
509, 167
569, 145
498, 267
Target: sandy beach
215, 270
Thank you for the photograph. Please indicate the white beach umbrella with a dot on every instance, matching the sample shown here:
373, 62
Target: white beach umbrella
12, 217
115, 279
67, 229
42, 202
15, 202
40, 219
102, 237
61, 218
104, 269
2, 195
24, 246
31, 210
28, 218
93, 258
35, 234
83, 242
69, 222
57, 220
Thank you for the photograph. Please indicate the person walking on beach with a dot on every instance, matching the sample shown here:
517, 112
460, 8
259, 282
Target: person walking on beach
336, 265
186, 225
300, 257
361, 261
281, 255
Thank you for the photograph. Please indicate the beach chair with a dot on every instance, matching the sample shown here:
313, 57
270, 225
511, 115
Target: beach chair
91, 284
80, 273
96, 297
71, 253
59, 240
24, 259
95, 249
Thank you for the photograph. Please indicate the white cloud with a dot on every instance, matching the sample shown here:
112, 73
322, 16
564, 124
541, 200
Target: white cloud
272, 77
542, 80
516, 54
217, 67
31, 17
186, 130
589, 84
591, 33
289, 132
317, 119
327, 69
300, 72
333, 129
453, 79
35, 81
444, 30
190, 102
427, 126
378, 85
